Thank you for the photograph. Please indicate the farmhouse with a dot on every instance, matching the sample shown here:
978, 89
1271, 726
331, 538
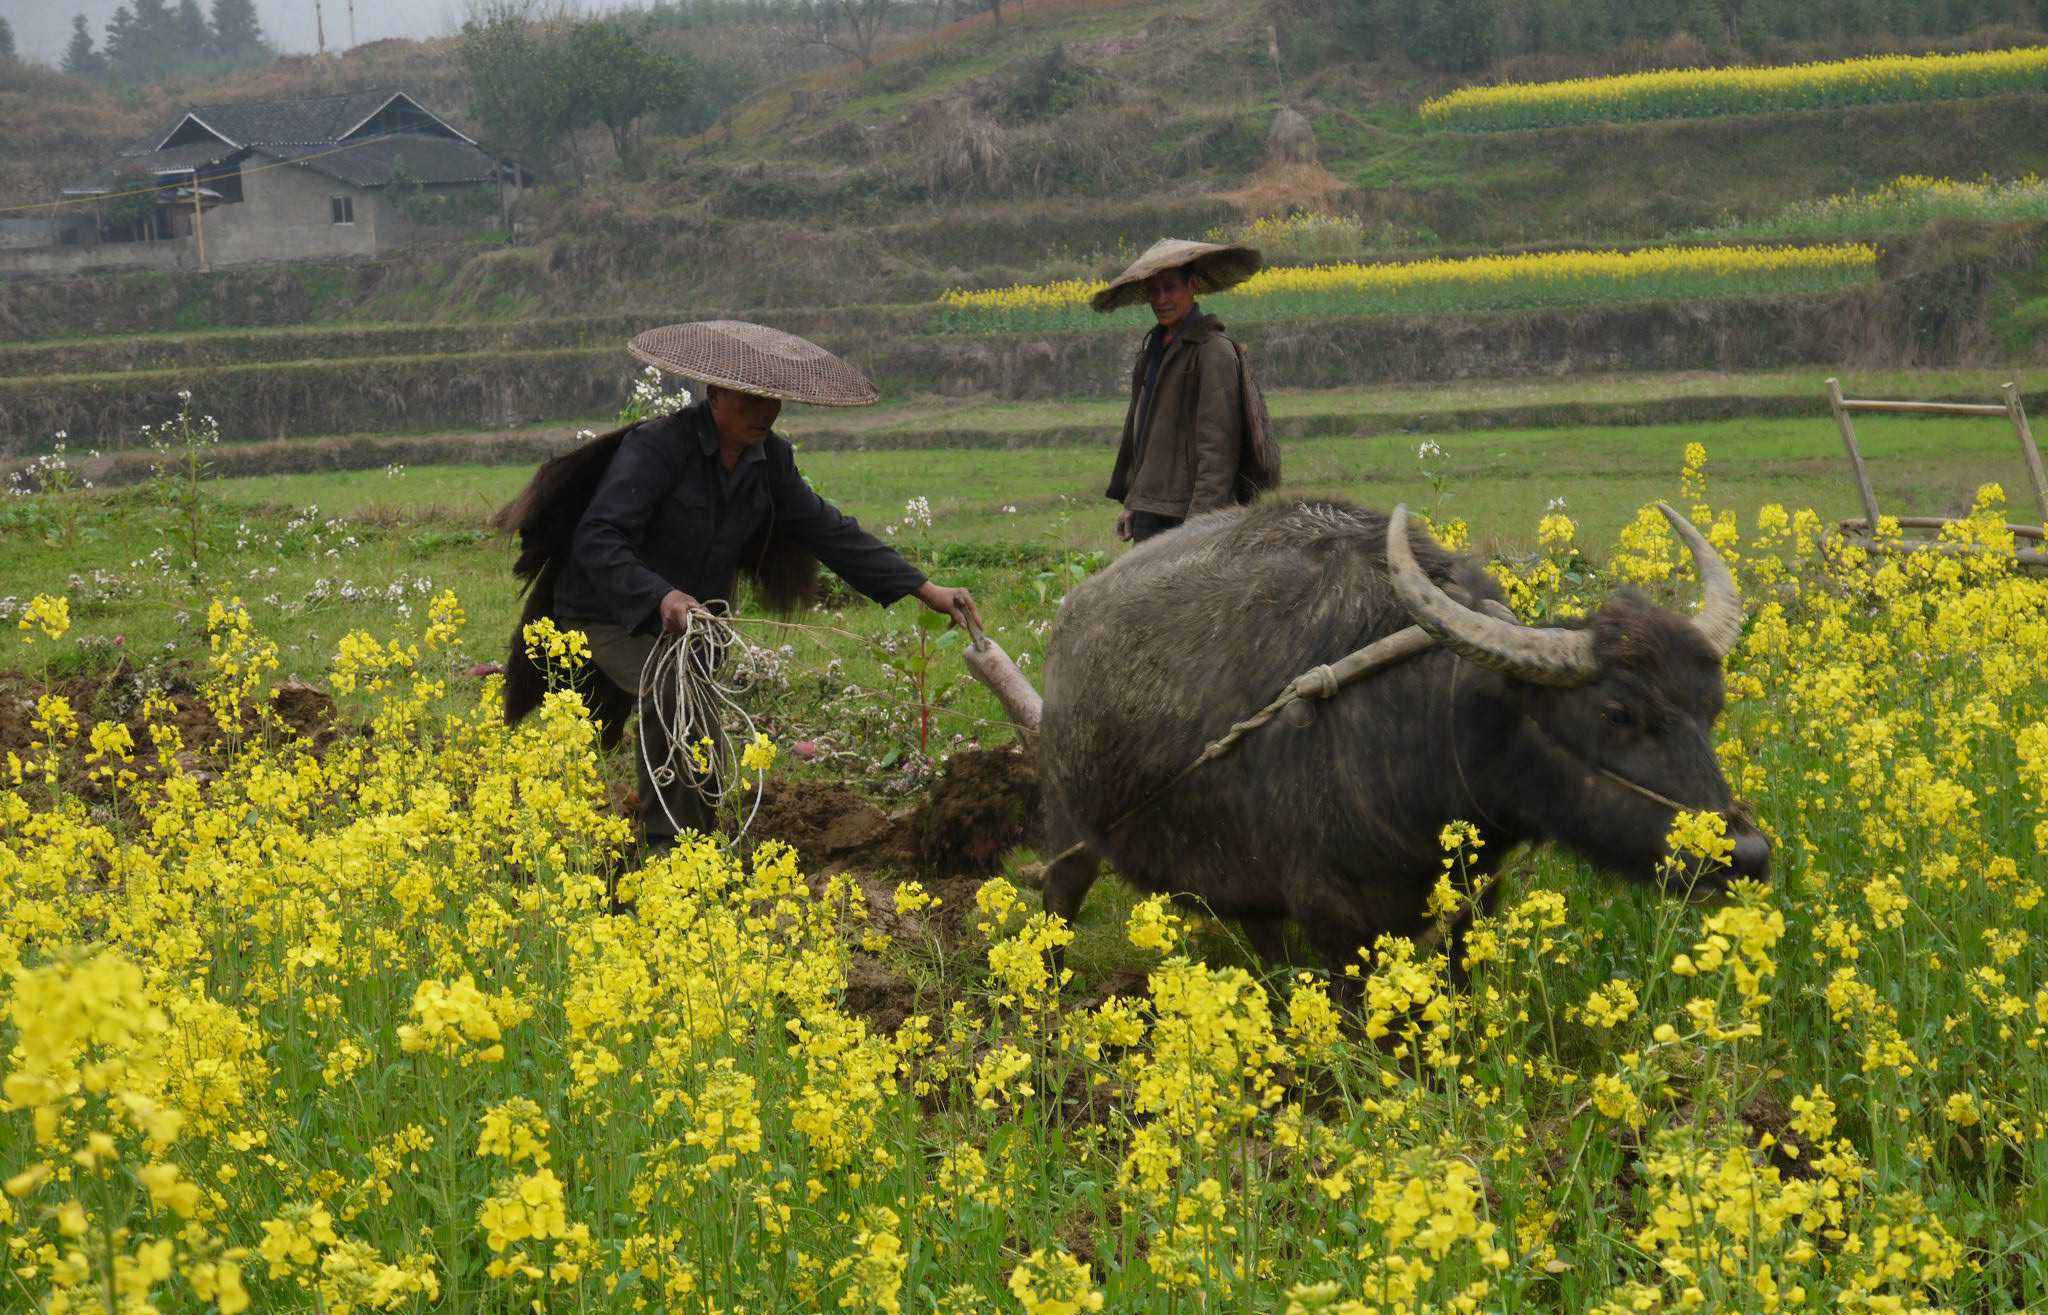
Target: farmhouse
354, 174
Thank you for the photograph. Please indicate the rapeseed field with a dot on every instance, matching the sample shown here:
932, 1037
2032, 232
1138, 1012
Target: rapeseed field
356, 1027
1701, 93
1906, 203
1474, 283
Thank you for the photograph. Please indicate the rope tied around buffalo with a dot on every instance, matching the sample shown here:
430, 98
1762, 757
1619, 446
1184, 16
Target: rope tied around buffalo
688, 683
1318, 682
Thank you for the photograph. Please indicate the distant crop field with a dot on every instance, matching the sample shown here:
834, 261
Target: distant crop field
1478, 283
1910, 201
1702, 93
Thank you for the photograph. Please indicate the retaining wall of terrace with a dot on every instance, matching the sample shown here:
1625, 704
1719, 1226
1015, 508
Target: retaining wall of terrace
1933, 307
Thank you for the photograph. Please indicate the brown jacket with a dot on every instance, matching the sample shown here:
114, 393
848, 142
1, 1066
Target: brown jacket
1183, 461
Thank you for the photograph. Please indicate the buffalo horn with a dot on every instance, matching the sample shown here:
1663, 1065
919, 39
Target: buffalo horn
1720, 618
1545, 656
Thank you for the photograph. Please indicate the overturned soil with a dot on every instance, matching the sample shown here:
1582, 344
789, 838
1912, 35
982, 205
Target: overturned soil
983, 804
116, 694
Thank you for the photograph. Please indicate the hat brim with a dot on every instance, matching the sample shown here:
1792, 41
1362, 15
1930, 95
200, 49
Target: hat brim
750, 358
1218, 270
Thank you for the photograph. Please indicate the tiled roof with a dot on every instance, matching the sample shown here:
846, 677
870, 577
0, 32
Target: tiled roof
377, 161
314, 121
368, 162
141, 160
313, 131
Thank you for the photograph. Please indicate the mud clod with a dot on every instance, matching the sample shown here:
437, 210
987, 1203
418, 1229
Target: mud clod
984, 804
307, 709
828, 824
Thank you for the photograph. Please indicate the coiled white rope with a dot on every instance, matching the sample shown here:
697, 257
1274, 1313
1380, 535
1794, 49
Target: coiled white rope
695, 700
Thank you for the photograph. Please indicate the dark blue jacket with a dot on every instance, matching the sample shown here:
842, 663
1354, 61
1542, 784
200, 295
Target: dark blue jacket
667, 515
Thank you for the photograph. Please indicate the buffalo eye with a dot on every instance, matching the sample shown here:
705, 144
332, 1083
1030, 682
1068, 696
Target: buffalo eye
1617, 716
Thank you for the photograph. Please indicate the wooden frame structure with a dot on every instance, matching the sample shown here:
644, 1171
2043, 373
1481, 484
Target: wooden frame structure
1865, 526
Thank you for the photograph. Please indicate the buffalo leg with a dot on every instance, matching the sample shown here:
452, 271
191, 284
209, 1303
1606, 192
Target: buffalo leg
1067, 883
1268, 938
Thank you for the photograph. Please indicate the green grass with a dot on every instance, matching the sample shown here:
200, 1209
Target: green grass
1475, 403
1007, 522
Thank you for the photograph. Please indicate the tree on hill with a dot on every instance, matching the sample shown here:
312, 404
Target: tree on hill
237, 35
142, 44
80, 59
118, 46
191, 39
518, 90
1455, 35
620, 81
532, 86
849, 26
6, 38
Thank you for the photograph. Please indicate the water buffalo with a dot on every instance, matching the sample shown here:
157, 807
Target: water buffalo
1585, 733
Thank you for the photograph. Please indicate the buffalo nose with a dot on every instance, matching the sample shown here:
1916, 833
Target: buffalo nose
1752, 856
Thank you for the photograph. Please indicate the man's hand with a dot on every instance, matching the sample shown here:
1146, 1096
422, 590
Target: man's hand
676, 607
956, 603
1123, 525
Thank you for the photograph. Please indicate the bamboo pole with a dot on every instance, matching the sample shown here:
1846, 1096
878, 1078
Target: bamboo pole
1937, 522
2033, 454
1855, 455
1924, 408
2027, 558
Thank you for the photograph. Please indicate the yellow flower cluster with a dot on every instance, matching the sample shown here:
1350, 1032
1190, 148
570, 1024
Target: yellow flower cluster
47, 614
1472, 282
457, 1021
1690, 93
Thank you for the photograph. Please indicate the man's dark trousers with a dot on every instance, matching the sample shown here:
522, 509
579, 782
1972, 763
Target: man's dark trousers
621, 656
1145, 524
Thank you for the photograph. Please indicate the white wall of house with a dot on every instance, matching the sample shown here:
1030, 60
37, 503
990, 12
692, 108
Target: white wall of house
286, 213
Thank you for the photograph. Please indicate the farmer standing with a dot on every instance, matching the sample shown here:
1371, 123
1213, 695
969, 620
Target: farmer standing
1185, 441
673, 509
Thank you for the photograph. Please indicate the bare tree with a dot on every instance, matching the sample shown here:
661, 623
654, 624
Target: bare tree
849, 26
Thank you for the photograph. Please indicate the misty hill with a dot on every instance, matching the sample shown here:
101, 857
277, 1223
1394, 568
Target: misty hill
1070, 135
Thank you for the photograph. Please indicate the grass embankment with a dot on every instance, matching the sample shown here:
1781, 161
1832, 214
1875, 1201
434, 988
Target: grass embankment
328, 1024
973, 424
354, 341
298, 400
319, 396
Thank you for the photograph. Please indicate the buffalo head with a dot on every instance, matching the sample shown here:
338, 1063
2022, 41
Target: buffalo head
1615, 712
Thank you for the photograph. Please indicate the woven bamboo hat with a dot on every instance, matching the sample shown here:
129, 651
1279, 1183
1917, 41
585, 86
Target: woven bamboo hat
1217, 265
751, 358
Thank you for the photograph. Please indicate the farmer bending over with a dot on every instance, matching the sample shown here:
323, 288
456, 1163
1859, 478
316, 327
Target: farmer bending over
1188, 446
625, 537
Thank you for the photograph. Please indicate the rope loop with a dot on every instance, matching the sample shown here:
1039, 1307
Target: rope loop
1317, 682
694, 698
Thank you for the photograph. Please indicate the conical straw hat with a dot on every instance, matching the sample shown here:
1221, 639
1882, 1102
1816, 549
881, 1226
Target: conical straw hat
752, 358
1218, 267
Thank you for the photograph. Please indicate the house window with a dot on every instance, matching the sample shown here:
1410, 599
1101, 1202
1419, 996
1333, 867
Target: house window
344, 209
